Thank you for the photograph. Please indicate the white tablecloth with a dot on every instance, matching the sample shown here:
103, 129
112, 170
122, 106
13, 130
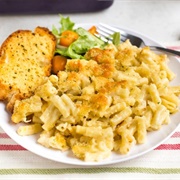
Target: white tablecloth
161, 163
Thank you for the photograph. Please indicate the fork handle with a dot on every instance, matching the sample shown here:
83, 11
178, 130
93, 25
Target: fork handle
171, 51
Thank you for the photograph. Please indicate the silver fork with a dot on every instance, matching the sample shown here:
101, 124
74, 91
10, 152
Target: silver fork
105, 31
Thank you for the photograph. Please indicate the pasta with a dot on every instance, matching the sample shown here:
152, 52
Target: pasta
106, 102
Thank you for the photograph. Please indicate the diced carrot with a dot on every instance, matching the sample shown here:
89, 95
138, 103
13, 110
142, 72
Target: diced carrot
93, 30
68, 37
58, 63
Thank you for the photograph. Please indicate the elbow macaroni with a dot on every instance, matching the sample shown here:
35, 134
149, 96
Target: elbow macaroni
106, 103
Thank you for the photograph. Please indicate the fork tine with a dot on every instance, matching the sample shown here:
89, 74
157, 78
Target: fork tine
112, 29
106, 37
106, 30
123, 35
102, 37
105, 34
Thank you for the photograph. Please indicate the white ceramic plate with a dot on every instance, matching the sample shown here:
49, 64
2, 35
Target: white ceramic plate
154, 139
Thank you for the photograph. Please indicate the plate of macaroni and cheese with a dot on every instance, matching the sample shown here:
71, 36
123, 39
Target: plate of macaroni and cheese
110, 105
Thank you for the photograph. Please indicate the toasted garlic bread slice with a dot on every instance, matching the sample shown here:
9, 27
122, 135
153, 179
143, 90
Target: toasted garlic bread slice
25, 61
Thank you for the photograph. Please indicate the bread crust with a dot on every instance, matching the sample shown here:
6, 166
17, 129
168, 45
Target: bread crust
25, 61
